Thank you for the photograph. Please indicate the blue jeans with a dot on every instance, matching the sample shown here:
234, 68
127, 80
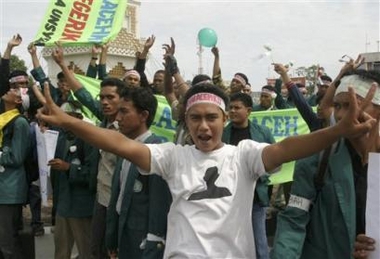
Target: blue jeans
259, 231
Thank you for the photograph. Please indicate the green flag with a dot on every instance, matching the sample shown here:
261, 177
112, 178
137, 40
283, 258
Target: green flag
163, 124
81, 22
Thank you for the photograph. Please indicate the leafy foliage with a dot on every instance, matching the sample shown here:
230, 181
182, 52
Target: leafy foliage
17, 63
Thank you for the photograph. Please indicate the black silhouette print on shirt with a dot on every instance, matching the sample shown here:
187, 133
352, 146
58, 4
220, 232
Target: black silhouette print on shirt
212, 191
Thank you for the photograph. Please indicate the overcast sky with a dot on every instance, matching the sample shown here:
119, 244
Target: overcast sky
304, 32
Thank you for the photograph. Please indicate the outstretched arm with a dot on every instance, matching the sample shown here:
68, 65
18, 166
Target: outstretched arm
355, 123
108, 140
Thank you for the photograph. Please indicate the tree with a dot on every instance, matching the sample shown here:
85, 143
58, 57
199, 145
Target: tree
17, 63
310, 73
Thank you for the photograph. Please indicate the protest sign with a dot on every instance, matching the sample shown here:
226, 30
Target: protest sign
46, 145
373, 202
81, 22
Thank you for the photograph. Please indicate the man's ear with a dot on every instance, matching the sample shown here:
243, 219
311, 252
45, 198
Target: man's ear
225, 117
144, 115
18, 101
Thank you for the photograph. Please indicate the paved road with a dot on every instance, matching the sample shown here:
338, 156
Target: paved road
45, 245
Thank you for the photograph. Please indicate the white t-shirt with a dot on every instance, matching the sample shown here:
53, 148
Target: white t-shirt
213, 219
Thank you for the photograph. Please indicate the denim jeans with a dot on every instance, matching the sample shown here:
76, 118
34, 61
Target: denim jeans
259, 231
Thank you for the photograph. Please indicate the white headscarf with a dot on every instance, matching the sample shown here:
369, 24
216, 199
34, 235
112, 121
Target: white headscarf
360, 85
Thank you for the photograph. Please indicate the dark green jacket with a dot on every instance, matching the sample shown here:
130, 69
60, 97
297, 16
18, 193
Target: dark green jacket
72, 192
40, 76
327, 229
98, 70
144, 210
258, 133
85, 98
13, 184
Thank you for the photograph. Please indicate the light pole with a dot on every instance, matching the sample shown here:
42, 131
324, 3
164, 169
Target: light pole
199, 53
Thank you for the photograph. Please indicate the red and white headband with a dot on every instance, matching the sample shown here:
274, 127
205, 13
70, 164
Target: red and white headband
205, 98
272, 93
240, 79
18, 79
132, 72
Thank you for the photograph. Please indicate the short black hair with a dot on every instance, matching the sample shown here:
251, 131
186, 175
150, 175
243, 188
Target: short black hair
143, 100
112, 81
205, 88
200, 78
17, 72
242, 97
160, 71
326, 78
269, 87
60, 75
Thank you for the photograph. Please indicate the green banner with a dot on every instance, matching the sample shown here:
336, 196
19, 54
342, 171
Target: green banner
163, 125
81, 22
282, 123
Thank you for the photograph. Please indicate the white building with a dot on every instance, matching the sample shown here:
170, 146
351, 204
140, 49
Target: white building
371, 61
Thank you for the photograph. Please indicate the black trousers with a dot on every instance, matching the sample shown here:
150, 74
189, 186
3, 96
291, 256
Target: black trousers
98, 232
10, 224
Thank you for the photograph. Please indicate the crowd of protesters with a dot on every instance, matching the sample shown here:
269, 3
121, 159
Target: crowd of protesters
121, 191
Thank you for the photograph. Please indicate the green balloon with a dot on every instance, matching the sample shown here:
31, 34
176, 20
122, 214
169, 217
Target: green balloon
207, 37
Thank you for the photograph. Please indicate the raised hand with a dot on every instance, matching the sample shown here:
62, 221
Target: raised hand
356, 122
282, 71
32, 49
169, 49
50, 113
95, 50
351, 64
15, 41
105, 46
215, 51
149, 42
57, 54
280, 68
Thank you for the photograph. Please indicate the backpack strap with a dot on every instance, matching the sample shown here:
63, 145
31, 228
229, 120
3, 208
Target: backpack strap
319, 180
